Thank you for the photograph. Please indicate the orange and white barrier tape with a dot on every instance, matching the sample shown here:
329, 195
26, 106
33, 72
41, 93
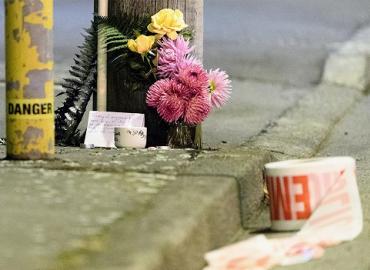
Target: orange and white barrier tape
318, 196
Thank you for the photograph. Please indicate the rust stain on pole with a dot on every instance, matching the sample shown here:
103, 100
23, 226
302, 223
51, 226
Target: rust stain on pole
29, 79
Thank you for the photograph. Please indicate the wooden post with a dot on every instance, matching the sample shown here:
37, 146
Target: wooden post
29, 79
102, 63
121, 100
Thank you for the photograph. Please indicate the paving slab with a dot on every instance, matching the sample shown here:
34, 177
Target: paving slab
349, 65
45, 212
300, 132
253, 106
183, 223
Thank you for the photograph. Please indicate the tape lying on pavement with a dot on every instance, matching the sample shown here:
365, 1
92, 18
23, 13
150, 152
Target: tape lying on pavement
322, 193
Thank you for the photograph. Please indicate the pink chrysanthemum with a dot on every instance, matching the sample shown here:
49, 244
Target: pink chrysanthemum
219, 87
168, 97
197, 110
194, 77
176, 102
171, 107
171, 54
156, 91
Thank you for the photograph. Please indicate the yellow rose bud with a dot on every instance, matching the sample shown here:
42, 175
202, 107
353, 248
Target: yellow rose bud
142, 44
167, 22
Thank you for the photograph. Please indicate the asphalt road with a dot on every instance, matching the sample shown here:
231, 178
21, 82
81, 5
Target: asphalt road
283, 41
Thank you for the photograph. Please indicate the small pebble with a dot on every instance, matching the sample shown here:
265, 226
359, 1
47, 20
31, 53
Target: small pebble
87, 146
164, 148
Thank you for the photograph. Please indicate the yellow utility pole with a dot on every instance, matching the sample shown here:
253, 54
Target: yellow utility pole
29, 79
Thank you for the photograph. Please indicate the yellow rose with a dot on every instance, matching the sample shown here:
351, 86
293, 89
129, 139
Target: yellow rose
142, 44
167, 22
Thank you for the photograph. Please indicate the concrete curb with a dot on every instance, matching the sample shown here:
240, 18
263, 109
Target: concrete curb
197, 211
349, 65
245, 165
173, 233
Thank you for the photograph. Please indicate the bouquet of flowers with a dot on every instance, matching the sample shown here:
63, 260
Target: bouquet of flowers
184, 92
154, 55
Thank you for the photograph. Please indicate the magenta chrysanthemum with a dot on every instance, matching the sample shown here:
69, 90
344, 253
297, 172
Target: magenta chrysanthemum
183, 92
171, 107
167, 96
174, 102
194, 77
156, 91
171, 54
219, 87
197, 110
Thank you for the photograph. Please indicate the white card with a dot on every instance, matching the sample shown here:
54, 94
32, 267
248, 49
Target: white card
100, 127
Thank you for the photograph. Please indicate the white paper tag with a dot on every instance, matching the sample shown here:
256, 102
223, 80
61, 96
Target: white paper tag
100, 128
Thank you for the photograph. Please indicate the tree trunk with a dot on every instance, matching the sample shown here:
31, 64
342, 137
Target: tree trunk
128, 101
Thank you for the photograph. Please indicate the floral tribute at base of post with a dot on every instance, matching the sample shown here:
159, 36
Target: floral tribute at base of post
154, 54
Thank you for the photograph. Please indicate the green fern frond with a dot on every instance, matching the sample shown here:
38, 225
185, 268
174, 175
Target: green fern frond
118, 41
78, 89
115, 48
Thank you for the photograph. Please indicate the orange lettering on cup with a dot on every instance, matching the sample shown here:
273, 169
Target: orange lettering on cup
304, 197
280, 199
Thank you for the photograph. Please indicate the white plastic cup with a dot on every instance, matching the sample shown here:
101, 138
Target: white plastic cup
297, 187
130, 137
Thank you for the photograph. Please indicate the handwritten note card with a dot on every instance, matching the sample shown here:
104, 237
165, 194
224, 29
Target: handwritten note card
100, 128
